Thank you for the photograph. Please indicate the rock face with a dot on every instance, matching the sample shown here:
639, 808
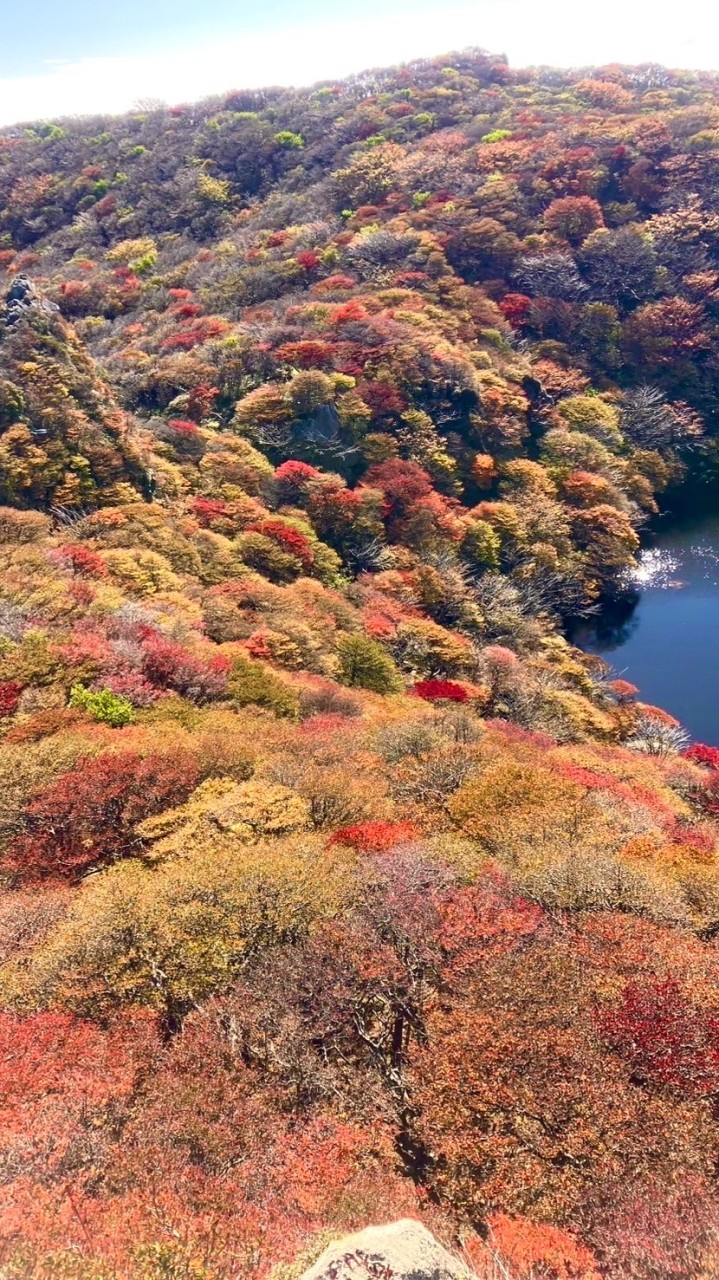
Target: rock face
65, 442
22, 297
402, 1250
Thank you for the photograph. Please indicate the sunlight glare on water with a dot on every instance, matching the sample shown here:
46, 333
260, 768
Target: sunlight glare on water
657, 567
707, 558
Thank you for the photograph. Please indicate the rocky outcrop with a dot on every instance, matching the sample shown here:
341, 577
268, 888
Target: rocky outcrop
22, 299
403, 1250
64, 440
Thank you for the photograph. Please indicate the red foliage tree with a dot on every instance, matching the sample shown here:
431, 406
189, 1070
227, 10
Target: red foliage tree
514, 307
440, 691
292, 479
700, 753
375, 837
168, 666
200, 401
88, 815
209, 510
80, 559
10, 692
532, 1249
669, 1042
402, 483
573, 217
382, 398
55, 1054
289, 539
307, 353
308, 258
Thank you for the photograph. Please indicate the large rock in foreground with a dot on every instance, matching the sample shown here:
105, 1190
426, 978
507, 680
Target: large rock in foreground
402, 1250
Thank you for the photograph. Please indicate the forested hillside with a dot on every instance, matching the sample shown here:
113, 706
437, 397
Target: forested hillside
336, 885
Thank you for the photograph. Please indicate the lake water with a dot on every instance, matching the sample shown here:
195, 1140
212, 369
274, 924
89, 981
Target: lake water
667, 643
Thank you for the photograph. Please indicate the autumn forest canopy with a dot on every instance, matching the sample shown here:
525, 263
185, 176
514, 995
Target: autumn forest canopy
336, 885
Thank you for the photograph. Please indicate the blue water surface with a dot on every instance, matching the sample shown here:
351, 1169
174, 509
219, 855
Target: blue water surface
667, 644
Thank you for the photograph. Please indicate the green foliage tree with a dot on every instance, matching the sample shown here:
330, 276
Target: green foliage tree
103, 705
364, 664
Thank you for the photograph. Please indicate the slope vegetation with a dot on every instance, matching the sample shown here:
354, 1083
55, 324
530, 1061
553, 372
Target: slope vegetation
336, 885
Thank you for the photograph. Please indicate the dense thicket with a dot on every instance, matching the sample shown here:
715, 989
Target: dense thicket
336, 885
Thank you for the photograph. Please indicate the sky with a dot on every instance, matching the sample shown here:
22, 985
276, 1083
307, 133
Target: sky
69, 57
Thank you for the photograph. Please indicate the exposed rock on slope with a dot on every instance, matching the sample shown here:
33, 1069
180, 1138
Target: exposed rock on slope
402, 1250
64, 441
22, 298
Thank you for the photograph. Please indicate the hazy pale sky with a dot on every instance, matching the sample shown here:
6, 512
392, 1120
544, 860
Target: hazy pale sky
67, 57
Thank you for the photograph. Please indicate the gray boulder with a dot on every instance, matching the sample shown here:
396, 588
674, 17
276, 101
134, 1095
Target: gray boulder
402, 1250
22, 300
